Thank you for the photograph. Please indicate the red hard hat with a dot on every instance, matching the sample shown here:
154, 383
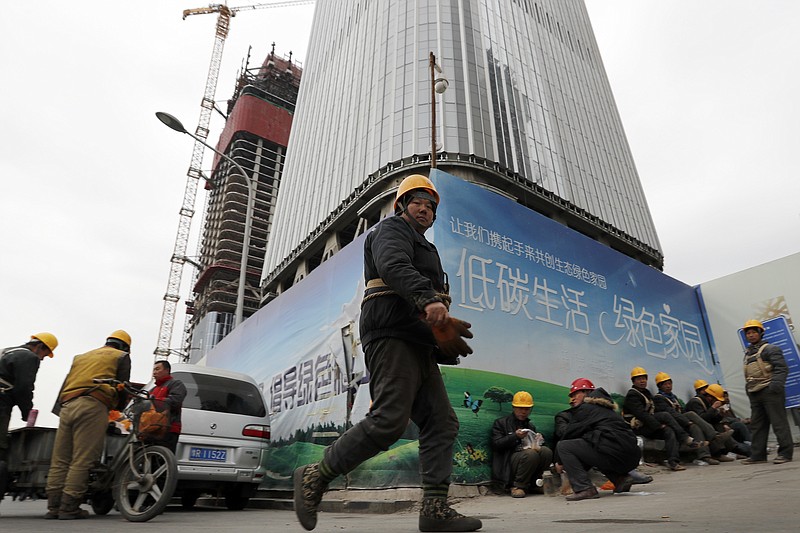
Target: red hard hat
581, 384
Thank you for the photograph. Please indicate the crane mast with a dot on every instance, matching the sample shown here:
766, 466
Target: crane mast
178, 259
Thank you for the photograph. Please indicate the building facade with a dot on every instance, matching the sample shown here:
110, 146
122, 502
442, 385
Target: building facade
256, 135
529, 113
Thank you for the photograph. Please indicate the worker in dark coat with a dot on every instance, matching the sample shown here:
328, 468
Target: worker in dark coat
404, 305
18, 368
597, 436
765, 373
517, 458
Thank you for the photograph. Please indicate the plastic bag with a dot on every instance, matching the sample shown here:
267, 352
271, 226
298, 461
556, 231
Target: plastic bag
153, 424
532, 441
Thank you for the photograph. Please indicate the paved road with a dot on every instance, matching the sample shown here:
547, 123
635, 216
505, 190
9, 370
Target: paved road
727, 498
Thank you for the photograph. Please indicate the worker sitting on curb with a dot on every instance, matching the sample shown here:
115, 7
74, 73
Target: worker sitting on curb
708, 405
520, 456
700, 430
639, 411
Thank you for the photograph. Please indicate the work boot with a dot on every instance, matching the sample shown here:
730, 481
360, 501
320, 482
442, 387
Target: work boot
308, 491
639, 478
675, 466
719, 437
623, 484
692, 444
436, 515
588, 494
53, 504
517, 492
70, 508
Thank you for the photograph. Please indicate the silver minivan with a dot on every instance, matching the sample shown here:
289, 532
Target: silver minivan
223, 444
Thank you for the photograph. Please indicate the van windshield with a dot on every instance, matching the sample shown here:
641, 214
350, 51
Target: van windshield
224, 395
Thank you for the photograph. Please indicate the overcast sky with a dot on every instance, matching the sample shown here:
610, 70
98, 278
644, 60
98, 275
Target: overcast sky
92, 182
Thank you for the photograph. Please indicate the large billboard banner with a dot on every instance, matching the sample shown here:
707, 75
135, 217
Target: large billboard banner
547, 305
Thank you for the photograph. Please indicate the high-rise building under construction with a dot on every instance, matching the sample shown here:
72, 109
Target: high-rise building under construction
256, 133
528, 113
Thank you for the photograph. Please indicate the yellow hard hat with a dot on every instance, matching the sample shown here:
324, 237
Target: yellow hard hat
753, 324
662, 377
638, 371
700, 384
121, 335
48, 339
412, 183
716, 391
522, 399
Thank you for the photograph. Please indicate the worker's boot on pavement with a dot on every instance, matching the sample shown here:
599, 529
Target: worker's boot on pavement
639, 478
437, 515
308, 490
53, 504
623, 483
588, 494
70, 508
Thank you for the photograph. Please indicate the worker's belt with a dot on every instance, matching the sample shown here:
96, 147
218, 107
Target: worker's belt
377, 283
94, 392
382, 289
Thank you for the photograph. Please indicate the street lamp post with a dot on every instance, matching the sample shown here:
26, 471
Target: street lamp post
438, 85
176, 125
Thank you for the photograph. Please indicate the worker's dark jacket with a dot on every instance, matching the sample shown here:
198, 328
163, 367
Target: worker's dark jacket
18, 366
505, 443
637, 404
562, 420
669, 403
410, 267
702, 406
597, 422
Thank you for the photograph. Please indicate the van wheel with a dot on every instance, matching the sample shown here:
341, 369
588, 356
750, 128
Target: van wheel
234, 499
189, 499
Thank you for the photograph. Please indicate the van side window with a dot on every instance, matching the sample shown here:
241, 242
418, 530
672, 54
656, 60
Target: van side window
215, 393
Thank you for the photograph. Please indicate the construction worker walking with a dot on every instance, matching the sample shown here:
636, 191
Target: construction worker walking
405, 303
82, 407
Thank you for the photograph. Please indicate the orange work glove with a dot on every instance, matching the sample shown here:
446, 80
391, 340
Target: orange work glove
450, 339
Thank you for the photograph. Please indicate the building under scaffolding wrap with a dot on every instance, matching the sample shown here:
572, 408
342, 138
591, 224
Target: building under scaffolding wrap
256, 134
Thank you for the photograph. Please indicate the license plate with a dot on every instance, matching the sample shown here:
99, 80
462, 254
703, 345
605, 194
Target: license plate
208, 454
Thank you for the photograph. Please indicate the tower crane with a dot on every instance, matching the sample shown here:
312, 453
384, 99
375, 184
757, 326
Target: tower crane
178, 259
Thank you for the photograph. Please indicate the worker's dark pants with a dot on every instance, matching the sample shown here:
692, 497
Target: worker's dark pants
694, 425
767, 407
5, 420
669, 434
578, 456
528, 465
742, 436
405, 383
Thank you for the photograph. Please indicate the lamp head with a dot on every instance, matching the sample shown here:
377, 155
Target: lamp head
171, 121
